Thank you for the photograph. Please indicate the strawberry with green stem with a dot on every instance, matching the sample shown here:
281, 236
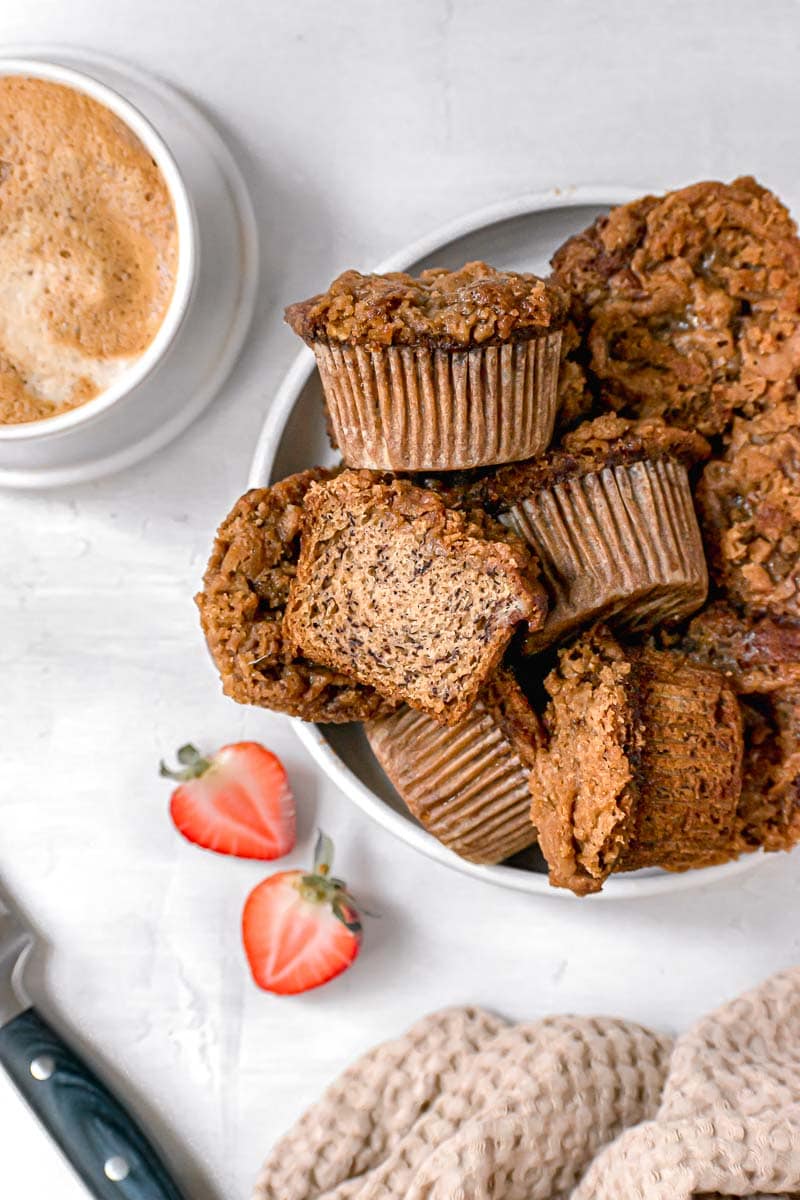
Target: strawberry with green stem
237, 801
301, 930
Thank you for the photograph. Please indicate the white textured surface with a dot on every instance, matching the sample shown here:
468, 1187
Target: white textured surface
359, 126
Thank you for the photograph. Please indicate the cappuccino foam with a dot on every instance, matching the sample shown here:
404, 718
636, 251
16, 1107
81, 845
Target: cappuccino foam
88, 248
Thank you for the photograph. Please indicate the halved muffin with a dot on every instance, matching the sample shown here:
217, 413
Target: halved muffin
467, 783
643, 766
406, 595
245, 589
450, 370
611, 519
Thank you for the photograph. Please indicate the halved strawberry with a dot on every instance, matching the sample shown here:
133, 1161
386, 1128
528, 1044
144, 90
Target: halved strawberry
300, 930
237, 801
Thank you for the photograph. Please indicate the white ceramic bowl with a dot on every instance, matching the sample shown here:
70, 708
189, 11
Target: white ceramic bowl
520, 233
213, 297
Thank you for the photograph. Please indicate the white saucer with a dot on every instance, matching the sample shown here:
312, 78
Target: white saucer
518, 234
220, 311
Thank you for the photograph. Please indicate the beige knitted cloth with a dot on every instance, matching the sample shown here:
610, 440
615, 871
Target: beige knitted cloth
467, 1107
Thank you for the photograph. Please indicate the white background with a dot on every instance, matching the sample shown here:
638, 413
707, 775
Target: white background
359, 126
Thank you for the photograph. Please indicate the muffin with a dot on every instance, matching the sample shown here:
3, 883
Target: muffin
406, 595
245, 589
467, 784
611, 519
450, 370
769, 809
750, 513
643, 766
689, 304
758, 655
761, 658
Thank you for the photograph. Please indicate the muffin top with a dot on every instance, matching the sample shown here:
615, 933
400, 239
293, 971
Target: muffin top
608, 441
688, 304
474, 306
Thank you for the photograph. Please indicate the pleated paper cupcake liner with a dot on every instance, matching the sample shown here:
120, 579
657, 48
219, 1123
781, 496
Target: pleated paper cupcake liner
621, 544
694, 732
415, 408
465, 784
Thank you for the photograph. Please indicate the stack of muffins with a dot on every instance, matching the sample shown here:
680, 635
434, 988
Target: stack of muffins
519, 621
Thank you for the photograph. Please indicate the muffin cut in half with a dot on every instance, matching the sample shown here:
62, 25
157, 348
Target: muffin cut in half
750, 513
450, 370
688, 304
407, 596
611, 518
643, 766
245, 589
467, 784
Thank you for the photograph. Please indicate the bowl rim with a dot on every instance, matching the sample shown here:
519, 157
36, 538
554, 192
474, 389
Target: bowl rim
618, 887
185, 275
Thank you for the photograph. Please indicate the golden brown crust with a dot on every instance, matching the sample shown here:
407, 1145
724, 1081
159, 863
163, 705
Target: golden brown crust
689, 304
758, 655
769, 808
474, 306
405, 594
245, 589
749, 504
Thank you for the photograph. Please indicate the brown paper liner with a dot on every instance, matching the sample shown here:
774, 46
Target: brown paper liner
466, 784
621, 544
692, 732
414, 408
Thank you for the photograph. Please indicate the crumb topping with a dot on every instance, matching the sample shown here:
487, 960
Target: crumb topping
689, 304
474, 306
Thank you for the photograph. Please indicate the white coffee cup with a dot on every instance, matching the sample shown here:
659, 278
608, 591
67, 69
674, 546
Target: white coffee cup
86, 413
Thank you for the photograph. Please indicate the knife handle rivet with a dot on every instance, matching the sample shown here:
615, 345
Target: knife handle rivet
116, 1169
42, 1067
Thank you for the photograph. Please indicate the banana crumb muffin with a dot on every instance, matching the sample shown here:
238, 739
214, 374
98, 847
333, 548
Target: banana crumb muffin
644, 764
450, 370
406, 595
769, 809
749, 502
245, 589
689, 303
611, 519
761, 658
758, 655
467, 784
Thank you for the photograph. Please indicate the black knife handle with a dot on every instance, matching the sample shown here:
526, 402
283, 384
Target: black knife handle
101, 1140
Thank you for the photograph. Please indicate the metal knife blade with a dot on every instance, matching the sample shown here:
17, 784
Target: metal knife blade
16, 942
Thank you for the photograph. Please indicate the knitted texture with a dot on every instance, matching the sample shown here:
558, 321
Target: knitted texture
468, 1107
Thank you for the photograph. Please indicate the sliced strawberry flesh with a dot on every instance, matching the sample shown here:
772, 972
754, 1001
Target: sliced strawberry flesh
292, 943
241, 805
